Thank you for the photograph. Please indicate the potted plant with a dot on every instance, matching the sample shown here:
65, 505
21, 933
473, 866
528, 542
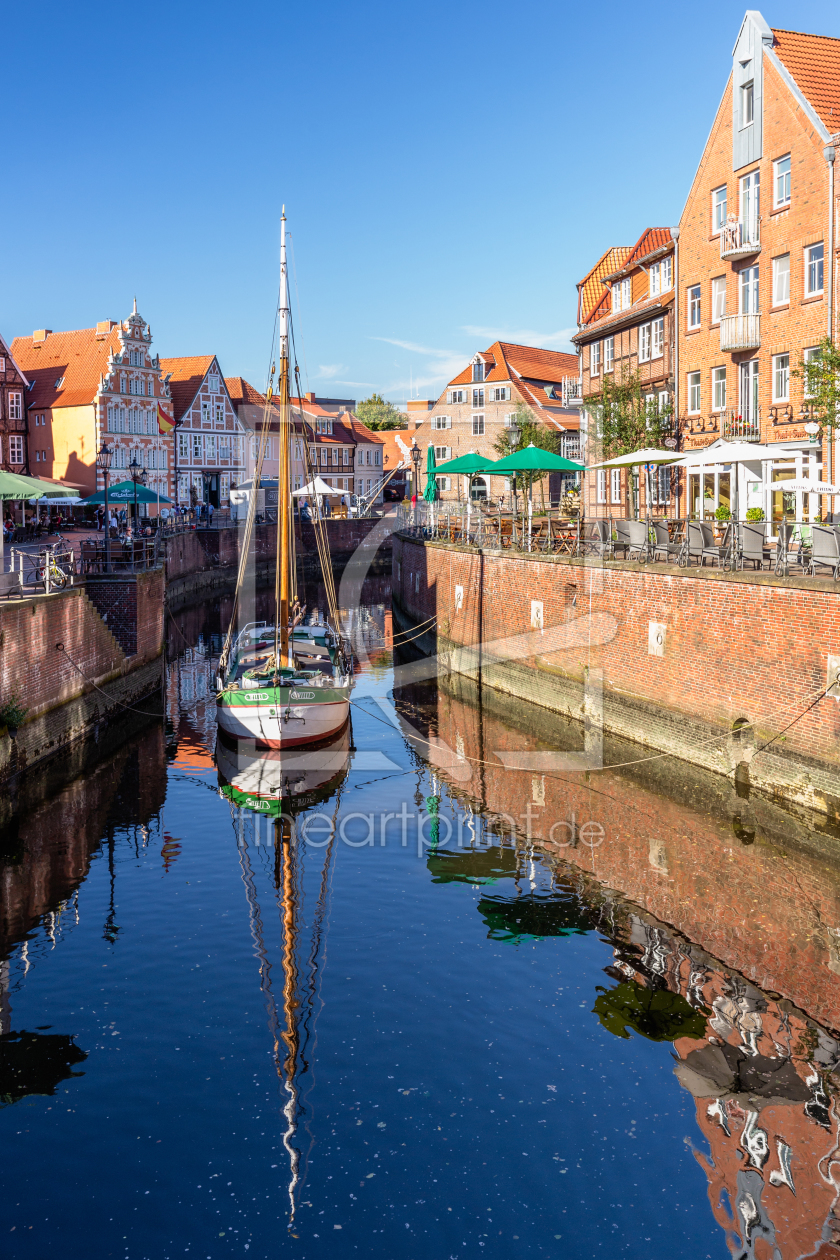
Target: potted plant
722, 513
755, 514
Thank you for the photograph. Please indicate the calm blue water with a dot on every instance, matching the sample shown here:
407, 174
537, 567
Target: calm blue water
452, 1092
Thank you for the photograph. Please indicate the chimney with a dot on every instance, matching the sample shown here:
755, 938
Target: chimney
40, 335
310, 397
104, 327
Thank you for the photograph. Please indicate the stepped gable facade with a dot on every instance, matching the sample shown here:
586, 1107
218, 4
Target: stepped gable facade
93, 386
14, 426
481, 403
210, 437
757, 269
627, 330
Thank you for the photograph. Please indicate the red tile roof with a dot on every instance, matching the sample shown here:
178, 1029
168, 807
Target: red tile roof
814, 63
590, 287
78, 359
242, 391
187, 375
650, 241
510, 361
396, 443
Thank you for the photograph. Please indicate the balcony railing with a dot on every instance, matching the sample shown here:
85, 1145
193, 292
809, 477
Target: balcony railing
737, 239
571, 447
747, 428
572, 391
740, 332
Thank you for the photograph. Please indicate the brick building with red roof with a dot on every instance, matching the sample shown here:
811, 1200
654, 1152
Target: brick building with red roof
92, 386
481, 402
757, 259
14, 427
626, 328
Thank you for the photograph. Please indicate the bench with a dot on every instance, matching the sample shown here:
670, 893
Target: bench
10, 585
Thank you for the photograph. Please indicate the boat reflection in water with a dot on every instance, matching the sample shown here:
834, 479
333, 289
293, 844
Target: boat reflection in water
719, 908
279, 784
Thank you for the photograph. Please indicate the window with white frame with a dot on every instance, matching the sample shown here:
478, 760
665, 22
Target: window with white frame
150, 387
609, 353
15, 448
15, 405
626, 294
213, 383
654, 286
718, 299
663, 401
616, 297
478, 426
441, 422
661, 276
657, 348
602, 485
500, 393
615, 485
814, 256
210, 448
747, 104
718, 208
444, 483
781, 280
478, 371
206, 414
693, 383
748, 290
594, 358
693, 303
510, 420
456, 396
220, 415
197, 448
122, 383
781, 378
644, 343
443, 453
478, 398
781, 181
184, 447
719, 389
809, 356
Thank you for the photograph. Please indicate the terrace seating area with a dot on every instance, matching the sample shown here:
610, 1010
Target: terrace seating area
785, 549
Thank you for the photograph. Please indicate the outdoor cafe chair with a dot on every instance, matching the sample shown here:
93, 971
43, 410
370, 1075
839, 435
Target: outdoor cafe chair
789, 549
637, 540
663, 548
622, 536
711, 550
825, 551
752, 545
597, 538
694, 543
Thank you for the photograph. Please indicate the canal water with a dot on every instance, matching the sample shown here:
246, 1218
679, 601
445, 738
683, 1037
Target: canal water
437, 1008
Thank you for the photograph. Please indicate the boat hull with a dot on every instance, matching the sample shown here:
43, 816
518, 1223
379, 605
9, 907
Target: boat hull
281, 722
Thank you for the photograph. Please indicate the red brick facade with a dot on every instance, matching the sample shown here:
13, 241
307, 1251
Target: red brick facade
773, 263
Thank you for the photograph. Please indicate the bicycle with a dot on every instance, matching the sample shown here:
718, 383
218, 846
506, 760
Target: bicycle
48, 566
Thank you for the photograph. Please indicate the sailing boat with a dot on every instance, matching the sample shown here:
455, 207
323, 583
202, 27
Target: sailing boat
268, 690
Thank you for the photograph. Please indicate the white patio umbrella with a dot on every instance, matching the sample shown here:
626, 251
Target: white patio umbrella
317, 486
803, 485
647, 456
721, 452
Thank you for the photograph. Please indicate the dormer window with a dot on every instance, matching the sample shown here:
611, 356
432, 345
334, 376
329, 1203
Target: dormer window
478, 370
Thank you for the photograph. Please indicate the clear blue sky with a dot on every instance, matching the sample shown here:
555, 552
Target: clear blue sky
450, 170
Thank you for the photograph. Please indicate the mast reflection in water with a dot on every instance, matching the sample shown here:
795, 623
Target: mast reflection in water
469, 1012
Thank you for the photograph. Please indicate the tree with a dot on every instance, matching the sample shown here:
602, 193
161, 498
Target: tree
530, 430
376, 413
821, 378
624, 419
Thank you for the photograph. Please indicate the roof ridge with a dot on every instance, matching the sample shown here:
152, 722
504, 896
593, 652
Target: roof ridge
784, 30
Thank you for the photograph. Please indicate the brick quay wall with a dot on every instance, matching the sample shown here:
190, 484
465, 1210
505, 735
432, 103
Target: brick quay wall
704, 665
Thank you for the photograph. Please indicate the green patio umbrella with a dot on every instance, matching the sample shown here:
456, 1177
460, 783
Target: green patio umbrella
18, 486
123, 492
469, 465
534, 459
430, 493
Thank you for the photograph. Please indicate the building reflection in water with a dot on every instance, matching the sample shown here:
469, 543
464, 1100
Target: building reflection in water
716, 906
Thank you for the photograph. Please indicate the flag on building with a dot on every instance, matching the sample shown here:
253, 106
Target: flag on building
165, 424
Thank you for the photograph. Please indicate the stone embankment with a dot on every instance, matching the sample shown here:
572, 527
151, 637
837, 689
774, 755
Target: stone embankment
703, 665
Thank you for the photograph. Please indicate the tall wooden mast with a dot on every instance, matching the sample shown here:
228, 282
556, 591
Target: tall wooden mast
284, 577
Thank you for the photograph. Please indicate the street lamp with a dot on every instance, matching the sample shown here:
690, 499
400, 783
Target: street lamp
415, 459
513, 435
138, 476
103, 462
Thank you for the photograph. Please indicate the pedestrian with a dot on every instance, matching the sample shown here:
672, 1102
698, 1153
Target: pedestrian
210, 513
